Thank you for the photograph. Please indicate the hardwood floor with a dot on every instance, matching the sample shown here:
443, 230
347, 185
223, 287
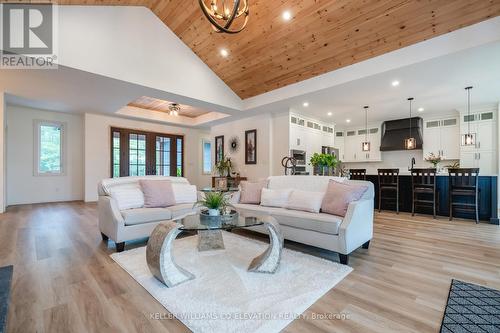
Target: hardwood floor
65, 281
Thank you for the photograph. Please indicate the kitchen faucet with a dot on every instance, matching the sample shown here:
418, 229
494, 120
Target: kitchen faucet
412, 162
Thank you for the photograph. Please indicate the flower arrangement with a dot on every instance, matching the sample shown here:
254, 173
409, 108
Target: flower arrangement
433, 159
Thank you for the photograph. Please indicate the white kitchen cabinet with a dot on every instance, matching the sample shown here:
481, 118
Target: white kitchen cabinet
375, 139
351, 149
485, 161
339, 144
442, 137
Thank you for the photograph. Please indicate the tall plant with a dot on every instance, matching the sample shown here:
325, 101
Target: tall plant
224, 166
324, 161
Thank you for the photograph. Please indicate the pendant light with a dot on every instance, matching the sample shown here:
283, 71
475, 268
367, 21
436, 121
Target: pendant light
365, 146
410, 142
468, 139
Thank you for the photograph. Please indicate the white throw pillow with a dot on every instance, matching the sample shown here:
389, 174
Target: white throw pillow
184, 193
305, 200
127, 197
274, 198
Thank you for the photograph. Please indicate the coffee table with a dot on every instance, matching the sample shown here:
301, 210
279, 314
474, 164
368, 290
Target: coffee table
161, 262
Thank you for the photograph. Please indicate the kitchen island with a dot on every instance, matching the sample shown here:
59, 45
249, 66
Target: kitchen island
488, 200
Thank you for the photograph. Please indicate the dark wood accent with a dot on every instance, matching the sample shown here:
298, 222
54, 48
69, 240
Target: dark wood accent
423, 188
104, 237
216, 150
344, 259
150, 151
464, 182
248, 133
366, 245
120, 247
357, 174
231, 181
388, 180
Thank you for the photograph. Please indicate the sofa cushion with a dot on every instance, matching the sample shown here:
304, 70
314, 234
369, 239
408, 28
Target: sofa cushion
251, 191
274, 198
338, 196
307, 201
157, 193
128, 197
145, 215
184, 193
319, 222
182, 209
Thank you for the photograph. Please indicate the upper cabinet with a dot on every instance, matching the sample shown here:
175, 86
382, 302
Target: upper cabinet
441, 137
349, 143
310, 135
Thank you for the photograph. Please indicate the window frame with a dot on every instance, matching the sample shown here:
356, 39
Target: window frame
203, 141
37, 125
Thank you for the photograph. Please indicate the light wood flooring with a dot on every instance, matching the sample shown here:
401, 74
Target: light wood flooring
65, 281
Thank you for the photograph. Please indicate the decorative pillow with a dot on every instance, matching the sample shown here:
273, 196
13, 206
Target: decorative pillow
127, 197
305, 200
157, 193
339, 195
184, 193
251, 191
274, 198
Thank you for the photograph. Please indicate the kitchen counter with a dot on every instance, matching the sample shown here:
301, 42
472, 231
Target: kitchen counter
488, 200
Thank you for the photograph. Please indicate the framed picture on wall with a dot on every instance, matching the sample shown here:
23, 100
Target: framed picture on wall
251, 146
219, 148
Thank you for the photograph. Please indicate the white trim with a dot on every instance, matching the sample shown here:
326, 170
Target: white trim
37, 123
203, 141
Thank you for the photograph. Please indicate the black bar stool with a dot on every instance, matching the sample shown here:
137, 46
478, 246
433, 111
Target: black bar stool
357, 174
388, 181
423, 184
464, 182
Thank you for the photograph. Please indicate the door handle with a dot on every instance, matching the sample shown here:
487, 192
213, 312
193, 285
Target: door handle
478, 156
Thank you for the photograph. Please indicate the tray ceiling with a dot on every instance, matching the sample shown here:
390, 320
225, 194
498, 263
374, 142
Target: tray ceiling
322, 35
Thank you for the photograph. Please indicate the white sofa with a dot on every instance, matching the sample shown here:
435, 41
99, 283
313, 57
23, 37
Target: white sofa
330, 232
128, 224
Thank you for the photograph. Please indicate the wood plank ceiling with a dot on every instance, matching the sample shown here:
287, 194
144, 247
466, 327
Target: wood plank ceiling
322, 36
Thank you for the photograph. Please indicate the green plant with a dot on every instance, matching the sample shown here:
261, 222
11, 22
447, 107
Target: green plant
224, 166
324, 160
214, 200
454, 165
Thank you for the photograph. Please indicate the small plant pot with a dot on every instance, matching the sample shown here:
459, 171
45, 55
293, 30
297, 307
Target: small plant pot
213, 212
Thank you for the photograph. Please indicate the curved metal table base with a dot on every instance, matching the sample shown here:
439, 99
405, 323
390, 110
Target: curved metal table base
159, 255
269, 260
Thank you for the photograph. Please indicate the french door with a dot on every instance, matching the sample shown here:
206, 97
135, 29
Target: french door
139, 153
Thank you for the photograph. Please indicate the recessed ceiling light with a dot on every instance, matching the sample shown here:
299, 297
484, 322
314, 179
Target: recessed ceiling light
305, 104
420, 109
287, 16
348, 120
395, 83
224, 53
329, 113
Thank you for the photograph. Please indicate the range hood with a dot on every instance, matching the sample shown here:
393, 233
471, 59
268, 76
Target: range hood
394, 133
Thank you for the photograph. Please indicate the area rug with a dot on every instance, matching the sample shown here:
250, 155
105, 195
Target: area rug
5, 282
225, 297
471, 308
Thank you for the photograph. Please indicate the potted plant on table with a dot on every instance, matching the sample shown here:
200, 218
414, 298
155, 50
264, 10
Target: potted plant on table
325, 162
224, 167
433, 159
215, 202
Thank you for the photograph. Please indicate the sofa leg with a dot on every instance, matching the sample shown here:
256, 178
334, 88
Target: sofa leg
344, 259
120, 247
104, 237
366, 245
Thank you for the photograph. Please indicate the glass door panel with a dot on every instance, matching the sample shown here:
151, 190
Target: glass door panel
137, 154
179, 158
116, 155
163, 155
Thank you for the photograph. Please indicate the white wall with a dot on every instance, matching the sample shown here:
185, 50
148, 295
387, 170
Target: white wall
22, 185
97, 149
279, 141
3, 173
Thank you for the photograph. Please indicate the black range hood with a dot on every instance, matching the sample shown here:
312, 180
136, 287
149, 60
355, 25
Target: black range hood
394, 133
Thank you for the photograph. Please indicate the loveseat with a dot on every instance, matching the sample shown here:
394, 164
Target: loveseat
326, 231
121, 212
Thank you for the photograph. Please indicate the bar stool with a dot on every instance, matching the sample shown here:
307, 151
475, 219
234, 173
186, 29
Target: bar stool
464, 182
423, 184
357, 174
388, 181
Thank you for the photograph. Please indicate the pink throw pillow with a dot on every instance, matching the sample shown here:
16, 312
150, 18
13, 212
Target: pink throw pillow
338, 196
157, 193
250, 192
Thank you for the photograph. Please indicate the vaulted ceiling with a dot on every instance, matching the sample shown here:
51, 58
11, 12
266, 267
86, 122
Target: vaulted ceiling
322, 36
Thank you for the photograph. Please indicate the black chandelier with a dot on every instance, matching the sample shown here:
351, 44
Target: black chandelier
222, 15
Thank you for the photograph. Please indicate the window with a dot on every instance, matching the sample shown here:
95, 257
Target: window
207, 157
49, 148
140, 153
